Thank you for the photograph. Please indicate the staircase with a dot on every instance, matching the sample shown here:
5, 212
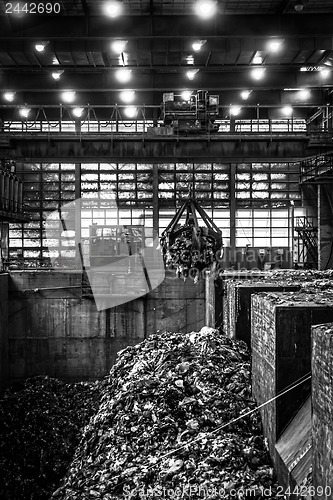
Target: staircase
307, 241
318, 169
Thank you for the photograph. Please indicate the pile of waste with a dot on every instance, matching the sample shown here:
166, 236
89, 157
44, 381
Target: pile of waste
176, 420
308, 274
320, 294
41, 422
285, 277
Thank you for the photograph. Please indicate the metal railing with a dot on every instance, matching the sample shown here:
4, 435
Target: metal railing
318, 168
140, 126
112, 119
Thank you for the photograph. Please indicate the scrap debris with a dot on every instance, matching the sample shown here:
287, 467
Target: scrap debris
166, 423
314, 294
191, 248
188, 260
41, 422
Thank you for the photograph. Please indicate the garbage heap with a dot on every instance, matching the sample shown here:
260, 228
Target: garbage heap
41, 421
168, 426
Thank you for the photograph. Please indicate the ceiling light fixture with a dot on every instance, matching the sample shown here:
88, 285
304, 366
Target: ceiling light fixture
257, 59
311, 68
56, 75
186, 95
245, 94
118, 46
123, 75
198, 44
324, 72
9, 96
287, 110
190, 59
130, 111
205, 8
113, 8
40, 46
274, 45
78, 112
191, 73
304, 94
24, 112
299, 5
123, 59
68, 95
127, 96
258, 73
235, 110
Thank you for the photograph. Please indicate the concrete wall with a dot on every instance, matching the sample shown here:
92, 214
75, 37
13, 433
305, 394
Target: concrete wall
281, 354
55, 331
325, 233
237, 305
322, 402
3, 330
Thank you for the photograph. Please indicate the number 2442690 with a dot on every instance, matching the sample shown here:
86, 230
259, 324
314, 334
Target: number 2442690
32, 8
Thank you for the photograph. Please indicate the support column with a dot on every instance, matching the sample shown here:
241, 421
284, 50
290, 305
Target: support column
155, 205
77, 214
322, 401
291, 234
319, 224
210, 296
232, 213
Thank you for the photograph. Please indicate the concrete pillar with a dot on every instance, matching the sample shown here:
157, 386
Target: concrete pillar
3, 331
210, 296
78, 221
232, 214
281, 352
322, 404
155, 205
319, 225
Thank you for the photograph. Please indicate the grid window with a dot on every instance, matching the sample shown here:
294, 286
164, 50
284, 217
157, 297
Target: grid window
263, 228
260, 189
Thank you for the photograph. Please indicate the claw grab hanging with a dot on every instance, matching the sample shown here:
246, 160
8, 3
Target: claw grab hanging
190, 248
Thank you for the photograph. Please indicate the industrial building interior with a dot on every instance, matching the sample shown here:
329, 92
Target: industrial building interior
166, 266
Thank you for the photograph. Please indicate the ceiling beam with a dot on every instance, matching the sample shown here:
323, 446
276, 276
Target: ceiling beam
97, 27
102, 81
236, 68
151, 7
283, 6
85, 7
217, 43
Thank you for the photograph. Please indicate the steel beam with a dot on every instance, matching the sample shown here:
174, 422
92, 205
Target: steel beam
179, 43
223, 78
98, 27
195, 148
